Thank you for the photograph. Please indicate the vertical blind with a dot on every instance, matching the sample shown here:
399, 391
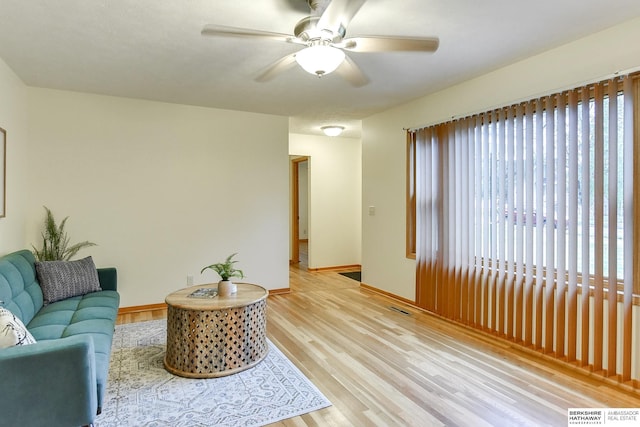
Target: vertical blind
524, 223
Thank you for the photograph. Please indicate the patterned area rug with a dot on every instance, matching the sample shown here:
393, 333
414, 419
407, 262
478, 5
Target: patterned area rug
141, 392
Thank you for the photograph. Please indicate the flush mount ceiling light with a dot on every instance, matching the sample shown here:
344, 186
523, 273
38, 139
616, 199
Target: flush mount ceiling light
332, 130
320, 59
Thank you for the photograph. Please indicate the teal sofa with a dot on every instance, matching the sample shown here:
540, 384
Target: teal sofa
61, 379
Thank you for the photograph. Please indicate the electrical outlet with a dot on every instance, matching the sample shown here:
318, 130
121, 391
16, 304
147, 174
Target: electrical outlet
189, 280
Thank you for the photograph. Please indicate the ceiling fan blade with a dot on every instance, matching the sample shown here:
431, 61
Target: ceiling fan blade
338, 14
223, 30
389, 44
277, 67
349, 71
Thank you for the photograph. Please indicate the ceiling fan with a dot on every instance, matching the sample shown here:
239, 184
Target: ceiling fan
323, 36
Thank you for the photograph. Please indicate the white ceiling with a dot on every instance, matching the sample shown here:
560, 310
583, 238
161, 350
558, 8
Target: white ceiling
152, 49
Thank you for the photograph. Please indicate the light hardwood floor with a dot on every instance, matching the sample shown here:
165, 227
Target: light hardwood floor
380, 367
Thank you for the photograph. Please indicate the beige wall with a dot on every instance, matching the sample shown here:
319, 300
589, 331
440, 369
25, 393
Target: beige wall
13, 119
335, 183
593, 58
163, 189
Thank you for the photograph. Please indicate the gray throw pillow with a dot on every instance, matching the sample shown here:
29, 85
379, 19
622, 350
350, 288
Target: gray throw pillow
65, 279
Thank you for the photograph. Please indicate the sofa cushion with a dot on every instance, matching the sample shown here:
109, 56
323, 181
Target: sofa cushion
12, 330
57, 320
65, 279
19, 290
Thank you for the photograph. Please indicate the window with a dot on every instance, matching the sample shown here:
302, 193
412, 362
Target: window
514, 214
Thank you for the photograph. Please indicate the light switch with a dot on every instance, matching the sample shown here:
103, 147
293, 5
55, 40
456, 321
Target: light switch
372, 210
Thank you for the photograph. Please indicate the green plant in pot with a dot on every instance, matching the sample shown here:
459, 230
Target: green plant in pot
55, 241
226, 270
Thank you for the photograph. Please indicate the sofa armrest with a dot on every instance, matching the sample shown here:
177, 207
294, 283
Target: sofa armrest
49, 383
108, 278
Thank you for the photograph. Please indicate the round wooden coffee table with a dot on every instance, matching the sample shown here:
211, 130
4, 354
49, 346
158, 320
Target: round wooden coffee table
215, 336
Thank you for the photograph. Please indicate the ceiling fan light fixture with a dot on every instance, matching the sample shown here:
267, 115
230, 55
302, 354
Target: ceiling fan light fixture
320, 59
332, 130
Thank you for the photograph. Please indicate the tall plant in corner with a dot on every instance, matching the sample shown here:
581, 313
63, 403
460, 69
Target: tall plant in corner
55, 241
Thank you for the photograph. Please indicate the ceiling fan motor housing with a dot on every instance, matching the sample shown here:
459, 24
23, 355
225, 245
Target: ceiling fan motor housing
307, 30
318, 6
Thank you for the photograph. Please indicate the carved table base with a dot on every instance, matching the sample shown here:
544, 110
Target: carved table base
213, 337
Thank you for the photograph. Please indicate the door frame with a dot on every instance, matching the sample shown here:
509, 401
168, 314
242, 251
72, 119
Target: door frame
295, 208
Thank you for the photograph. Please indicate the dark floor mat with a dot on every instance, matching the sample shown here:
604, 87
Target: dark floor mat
355, 275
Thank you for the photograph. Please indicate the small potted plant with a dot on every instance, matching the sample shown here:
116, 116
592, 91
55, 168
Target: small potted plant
226, 271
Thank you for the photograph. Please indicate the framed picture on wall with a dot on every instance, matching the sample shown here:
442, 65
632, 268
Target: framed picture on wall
3, 172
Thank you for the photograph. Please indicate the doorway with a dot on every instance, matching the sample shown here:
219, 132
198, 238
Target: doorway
300, 211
